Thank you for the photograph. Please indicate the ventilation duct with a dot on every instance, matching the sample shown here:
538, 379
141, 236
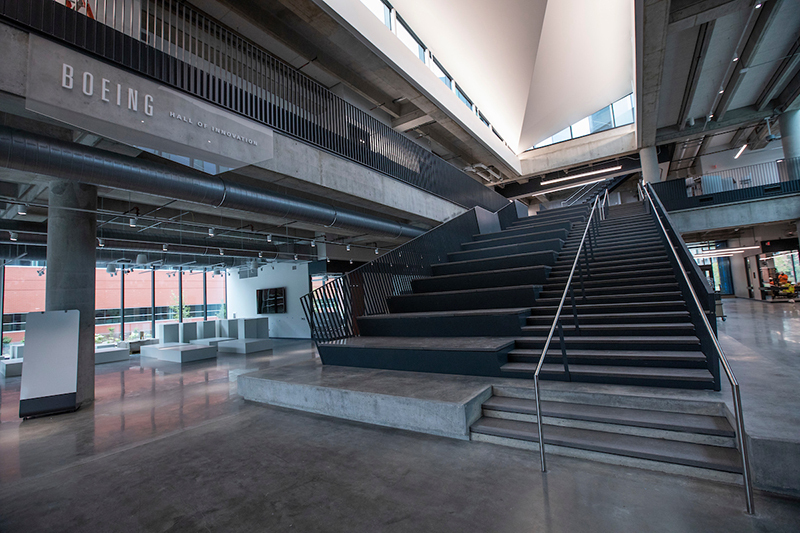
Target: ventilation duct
28, 152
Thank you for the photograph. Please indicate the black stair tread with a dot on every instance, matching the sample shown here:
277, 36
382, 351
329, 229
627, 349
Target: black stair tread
595, 291
667, 420
545, 301
457, 344
466, 312
567, 260
623, 316
497, 258
544, 307
609, 276
671, 339
662, 450
499, 249
541, 235
468, 291
627, 327
637, 280
494, 271
554, 351
639, 372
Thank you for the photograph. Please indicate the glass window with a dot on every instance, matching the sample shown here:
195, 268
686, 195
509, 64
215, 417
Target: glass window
581, 128
24, 292
546, 142
405, 36
137, 304
216, 295
440, 73
563, 135
192, 296
463, 97
601, 120
623, 111
380, 10
483, 119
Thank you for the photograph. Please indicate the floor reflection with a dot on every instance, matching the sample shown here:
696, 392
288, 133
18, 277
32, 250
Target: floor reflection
135, 401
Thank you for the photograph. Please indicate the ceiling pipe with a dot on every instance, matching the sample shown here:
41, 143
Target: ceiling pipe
21, 150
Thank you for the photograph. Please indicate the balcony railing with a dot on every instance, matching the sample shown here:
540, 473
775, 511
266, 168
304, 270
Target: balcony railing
751, 182
181, 47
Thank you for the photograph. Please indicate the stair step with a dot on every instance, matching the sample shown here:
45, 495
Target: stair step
643, 418
616, 250
605, 318
682, 453
495, 263
552, 226
609, 357
557, 282
516, 239
680, 328
509, 249
591, 308
491, 298
566, 262
622, 268
611, 298
620, 342
475, 323
557, 291
632, 373
536, 275
578, 218
598, 278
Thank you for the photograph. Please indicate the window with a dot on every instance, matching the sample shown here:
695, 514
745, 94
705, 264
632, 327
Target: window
380, 10
440, 73
562, 135
623, 111
411, 42
581, 128
601, 120
463, 97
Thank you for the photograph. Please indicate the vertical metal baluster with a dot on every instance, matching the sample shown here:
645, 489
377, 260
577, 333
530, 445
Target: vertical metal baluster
574, 310
563, 351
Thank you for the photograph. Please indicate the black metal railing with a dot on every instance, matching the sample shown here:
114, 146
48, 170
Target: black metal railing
332, 310
753, 182
181, 47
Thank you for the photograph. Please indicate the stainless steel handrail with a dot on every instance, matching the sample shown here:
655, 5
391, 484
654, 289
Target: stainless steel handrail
603, 205
737, 399
552, 331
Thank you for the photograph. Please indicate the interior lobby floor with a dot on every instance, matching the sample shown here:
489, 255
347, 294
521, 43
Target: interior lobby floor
171, 448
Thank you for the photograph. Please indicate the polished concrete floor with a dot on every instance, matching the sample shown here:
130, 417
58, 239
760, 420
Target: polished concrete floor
170, 448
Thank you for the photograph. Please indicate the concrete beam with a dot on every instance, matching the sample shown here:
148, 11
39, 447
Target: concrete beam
750, 213
698, 58
685, 14
411, 120
736, 118
789, 99
765, 17
785, 69
651, 19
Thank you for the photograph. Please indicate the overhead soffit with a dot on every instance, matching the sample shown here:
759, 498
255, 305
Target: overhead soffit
533, 67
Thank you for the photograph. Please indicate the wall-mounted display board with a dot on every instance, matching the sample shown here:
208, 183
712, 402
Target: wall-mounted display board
50, 366
271, 301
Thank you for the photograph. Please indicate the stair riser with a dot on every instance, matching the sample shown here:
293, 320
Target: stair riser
639, 382
428, 302
607, 308
460, 326
600, 279
679, 436
606, 299
517, 239
516, 232
590, 293
566, 262
575, 219
616, 286
567, 319
638, 330
615, 251
514, 249
575, 343
623, 269
608, 361
526, 276
481, 265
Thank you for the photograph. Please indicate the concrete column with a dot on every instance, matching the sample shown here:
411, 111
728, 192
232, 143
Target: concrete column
650, 171
71, 240
790, 141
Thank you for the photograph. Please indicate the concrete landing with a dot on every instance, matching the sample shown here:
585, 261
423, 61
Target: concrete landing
443, 405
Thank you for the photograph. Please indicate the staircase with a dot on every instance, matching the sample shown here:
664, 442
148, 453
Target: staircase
686, 436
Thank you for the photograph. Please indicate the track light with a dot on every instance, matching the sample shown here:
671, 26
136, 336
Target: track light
260, 254
133, 221
348, 247
351, 261
295, 257
13, 236
376, 251
269, 237
313, 244
329, 259
141, 259
111, 268
22, 209
101, 243
221, 251
210, 232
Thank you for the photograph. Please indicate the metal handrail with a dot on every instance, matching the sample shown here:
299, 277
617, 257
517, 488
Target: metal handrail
737, 399
552, 331
604, 205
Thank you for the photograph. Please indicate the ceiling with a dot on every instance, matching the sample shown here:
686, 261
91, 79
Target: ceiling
532, 67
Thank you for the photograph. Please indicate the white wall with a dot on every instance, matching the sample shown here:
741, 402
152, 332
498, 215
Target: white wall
242, 298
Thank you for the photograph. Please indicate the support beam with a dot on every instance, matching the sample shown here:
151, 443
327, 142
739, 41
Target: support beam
651, 29
685, 14
765, 17
742, 117
699, 56
789, 99
411, 120
738, 136
787, 66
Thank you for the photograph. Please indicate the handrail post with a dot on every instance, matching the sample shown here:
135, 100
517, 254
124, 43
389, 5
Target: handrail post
737, 399
574, 311
563, 351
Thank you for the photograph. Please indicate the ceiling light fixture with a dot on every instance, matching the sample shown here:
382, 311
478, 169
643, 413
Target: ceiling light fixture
758, 5
210, 232
141, 259
735, 59
348, 247
328, 259
111, 268
221, 252
101, 243
132, 222
260, 254
313, 244
22, 209
740, 151
269, 237
164, 247
13, 236
295, 257
376, 251
585, 174
351, 261
572, 186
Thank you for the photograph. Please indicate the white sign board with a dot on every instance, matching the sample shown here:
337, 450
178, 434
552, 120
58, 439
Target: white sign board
50, 365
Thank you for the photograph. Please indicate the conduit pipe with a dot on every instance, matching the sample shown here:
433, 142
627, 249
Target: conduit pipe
28, 152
